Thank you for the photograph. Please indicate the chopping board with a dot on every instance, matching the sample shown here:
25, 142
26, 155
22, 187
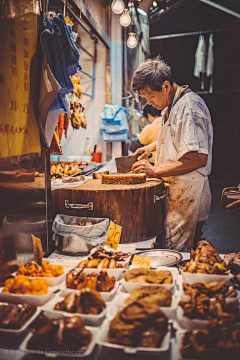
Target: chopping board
132, 206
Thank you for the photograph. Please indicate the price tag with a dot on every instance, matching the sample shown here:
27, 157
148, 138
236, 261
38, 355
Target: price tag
114, 235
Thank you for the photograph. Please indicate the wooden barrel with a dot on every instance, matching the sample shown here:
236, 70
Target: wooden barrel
134, 207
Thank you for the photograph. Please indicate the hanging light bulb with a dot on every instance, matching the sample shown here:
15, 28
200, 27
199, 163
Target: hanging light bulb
132, 41
117, 6
125, 18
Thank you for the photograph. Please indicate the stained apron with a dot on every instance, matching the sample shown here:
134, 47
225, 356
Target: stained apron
184, 192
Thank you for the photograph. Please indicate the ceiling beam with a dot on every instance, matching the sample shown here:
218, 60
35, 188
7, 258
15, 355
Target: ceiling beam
222, 8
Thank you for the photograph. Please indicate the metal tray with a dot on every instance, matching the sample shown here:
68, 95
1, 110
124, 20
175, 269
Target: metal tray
161, 257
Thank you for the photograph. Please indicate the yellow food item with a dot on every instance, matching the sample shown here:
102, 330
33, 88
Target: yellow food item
124, 179
46, 270
141, 262
22, 285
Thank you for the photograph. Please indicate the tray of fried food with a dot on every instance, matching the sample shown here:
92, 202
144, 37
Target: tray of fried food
15, 318
136, 278
22, 289
201, 302
157, 295
77, 280
88, 302
53, 273
101, 253
138, 328
58, 335
62, 169
110, 266
215, 341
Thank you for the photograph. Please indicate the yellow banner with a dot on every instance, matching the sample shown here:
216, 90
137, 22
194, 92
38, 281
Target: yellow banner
19, 132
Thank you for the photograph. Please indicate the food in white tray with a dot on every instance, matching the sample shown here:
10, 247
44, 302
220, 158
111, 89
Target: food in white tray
14, 316
157, 295
100, 264
89, 301
138, 325
80, 280
148, 276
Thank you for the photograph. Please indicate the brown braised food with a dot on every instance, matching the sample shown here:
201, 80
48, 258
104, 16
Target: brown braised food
15, 316
138, 324
101, 253
148, 276
88, 302
80, 280
211, 290
124, 179
59, 334
156, 295
100, 264
215, 342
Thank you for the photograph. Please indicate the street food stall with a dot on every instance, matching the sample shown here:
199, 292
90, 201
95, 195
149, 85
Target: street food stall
83, 267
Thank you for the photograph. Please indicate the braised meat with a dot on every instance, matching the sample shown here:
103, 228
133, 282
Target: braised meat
148, 276
59, 334
205, 253
156, 295
15, 316
88, 302
138, 324
99, 282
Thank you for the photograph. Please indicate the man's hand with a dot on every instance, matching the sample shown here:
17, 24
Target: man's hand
143, 166
233, 207
145, 151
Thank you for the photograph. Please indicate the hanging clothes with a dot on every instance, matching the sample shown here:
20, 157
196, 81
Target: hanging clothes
210, 62
200, 60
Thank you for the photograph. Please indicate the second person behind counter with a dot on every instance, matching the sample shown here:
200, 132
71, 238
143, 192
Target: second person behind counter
150, 132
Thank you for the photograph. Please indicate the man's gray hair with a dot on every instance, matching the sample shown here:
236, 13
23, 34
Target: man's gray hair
152, 73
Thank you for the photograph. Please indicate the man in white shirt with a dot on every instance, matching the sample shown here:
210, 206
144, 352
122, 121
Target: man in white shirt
183, 152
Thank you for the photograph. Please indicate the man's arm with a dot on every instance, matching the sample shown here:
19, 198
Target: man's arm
188, 163
135, 144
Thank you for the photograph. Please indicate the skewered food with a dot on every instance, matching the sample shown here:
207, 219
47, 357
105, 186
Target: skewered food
46, 270
100, 282
157, 295
59, 334
100, 264
101, 253
148, 276
138, 324
15, 316
211, 290
20, 284
88, 302
124, 179
216, 341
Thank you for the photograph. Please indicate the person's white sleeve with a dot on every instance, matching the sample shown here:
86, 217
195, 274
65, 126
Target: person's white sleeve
193, 133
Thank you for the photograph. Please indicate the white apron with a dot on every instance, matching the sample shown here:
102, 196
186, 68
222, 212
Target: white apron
184, 194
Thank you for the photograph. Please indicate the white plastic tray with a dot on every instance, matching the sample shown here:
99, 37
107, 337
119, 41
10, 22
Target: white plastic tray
53, 281
117, 273
53, 354
118, 304
37, 300
107, 296
192, 278
103, 341
88, 319
17, 332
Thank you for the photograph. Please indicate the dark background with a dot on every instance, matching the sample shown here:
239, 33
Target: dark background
224, 102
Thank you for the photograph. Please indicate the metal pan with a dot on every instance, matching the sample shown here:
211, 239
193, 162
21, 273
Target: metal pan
161, 257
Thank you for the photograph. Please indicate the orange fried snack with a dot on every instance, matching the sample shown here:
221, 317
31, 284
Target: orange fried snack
46, 270
22, 285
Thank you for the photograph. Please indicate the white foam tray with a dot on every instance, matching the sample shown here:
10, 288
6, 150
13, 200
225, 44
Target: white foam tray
103, 341
88, 319
36, 300
192, 278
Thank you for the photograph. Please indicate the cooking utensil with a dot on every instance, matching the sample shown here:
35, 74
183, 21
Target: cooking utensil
87, 170
161, 257
124, 163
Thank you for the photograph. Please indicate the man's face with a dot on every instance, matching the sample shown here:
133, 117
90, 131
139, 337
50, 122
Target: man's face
158, 99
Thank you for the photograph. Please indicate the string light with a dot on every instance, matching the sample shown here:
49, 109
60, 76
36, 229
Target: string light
125, 18
117, 6
132, 41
